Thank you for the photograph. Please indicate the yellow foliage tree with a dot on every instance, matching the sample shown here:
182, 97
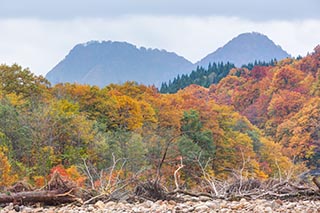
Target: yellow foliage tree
6, 178
128, 113
274, 163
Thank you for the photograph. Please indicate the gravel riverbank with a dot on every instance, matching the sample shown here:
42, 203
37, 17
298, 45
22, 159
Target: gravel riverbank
192, 205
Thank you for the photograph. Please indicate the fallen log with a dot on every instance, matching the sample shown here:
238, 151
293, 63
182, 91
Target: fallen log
57, 191
46, 197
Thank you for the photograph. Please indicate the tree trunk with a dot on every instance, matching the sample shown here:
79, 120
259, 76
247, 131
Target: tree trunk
48, 197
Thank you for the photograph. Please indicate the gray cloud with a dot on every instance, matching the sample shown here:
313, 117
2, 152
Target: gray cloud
38, 33
41, 44
261, 10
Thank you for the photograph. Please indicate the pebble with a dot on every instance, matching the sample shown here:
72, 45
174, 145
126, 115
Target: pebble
99, 205
268, 209
243, 200
212, 204
172, 202
204, 198
201, 208
291, 205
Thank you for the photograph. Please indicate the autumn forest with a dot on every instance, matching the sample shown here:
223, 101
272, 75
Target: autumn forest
258, 123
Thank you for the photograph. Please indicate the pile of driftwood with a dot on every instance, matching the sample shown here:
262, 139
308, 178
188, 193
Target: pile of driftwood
249, 189
56, 191
59, 191
271, 189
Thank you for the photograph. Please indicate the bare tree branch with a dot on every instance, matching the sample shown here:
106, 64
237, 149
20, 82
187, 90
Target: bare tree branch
176, 173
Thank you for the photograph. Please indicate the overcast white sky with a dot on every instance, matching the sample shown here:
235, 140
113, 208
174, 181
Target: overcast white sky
38, 34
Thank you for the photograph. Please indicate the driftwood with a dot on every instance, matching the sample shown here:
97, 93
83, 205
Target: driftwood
151, 190
249, 189
271, 189
57, 191
60, 190
20, 186
316, 181
47, 197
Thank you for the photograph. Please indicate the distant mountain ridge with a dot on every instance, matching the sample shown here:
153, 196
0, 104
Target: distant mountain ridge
102, 63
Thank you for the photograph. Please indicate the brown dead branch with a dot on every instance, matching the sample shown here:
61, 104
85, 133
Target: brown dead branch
20, 186
151, 190
274, 190
58, 183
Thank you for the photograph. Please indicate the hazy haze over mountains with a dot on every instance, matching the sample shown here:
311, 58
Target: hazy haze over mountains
102, 63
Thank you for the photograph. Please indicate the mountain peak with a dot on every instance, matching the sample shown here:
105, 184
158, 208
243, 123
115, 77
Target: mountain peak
246, 48
104, 62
